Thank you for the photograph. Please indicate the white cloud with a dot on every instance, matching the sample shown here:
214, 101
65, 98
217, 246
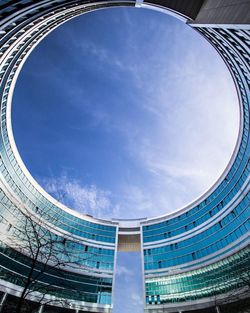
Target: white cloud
195, 110
191, 109
84, 199
129, 281
137, 299
123, 271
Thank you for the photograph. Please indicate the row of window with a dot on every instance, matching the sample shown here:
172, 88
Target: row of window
18, 257
182, 259
229, 229
15, 222
64, 289
227, 274
168, 232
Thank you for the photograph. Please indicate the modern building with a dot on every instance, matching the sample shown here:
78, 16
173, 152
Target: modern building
196, 259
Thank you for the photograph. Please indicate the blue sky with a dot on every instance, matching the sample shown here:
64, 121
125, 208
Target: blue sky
125, 113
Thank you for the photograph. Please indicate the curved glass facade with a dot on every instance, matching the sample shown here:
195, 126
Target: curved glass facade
200, 283
190, 257
218, 225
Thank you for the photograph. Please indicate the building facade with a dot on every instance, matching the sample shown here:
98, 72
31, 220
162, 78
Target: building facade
193, 259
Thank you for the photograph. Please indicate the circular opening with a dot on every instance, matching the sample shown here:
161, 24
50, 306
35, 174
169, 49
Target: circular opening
128, 113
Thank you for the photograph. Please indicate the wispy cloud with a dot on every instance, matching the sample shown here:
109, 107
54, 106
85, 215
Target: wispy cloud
172, 108
123, 270
128, 281
83, 198
89, 199
137, 299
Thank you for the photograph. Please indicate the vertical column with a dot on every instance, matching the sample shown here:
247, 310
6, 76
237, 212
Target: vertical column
40, 310
217, 308
2, 301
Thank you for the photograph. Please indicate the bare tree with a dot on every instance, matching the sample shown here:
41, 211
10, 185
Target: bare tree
240, 291
46, 254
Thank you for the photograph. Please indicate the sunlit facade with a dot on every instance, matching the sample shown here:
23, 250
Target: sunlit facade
193, 259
